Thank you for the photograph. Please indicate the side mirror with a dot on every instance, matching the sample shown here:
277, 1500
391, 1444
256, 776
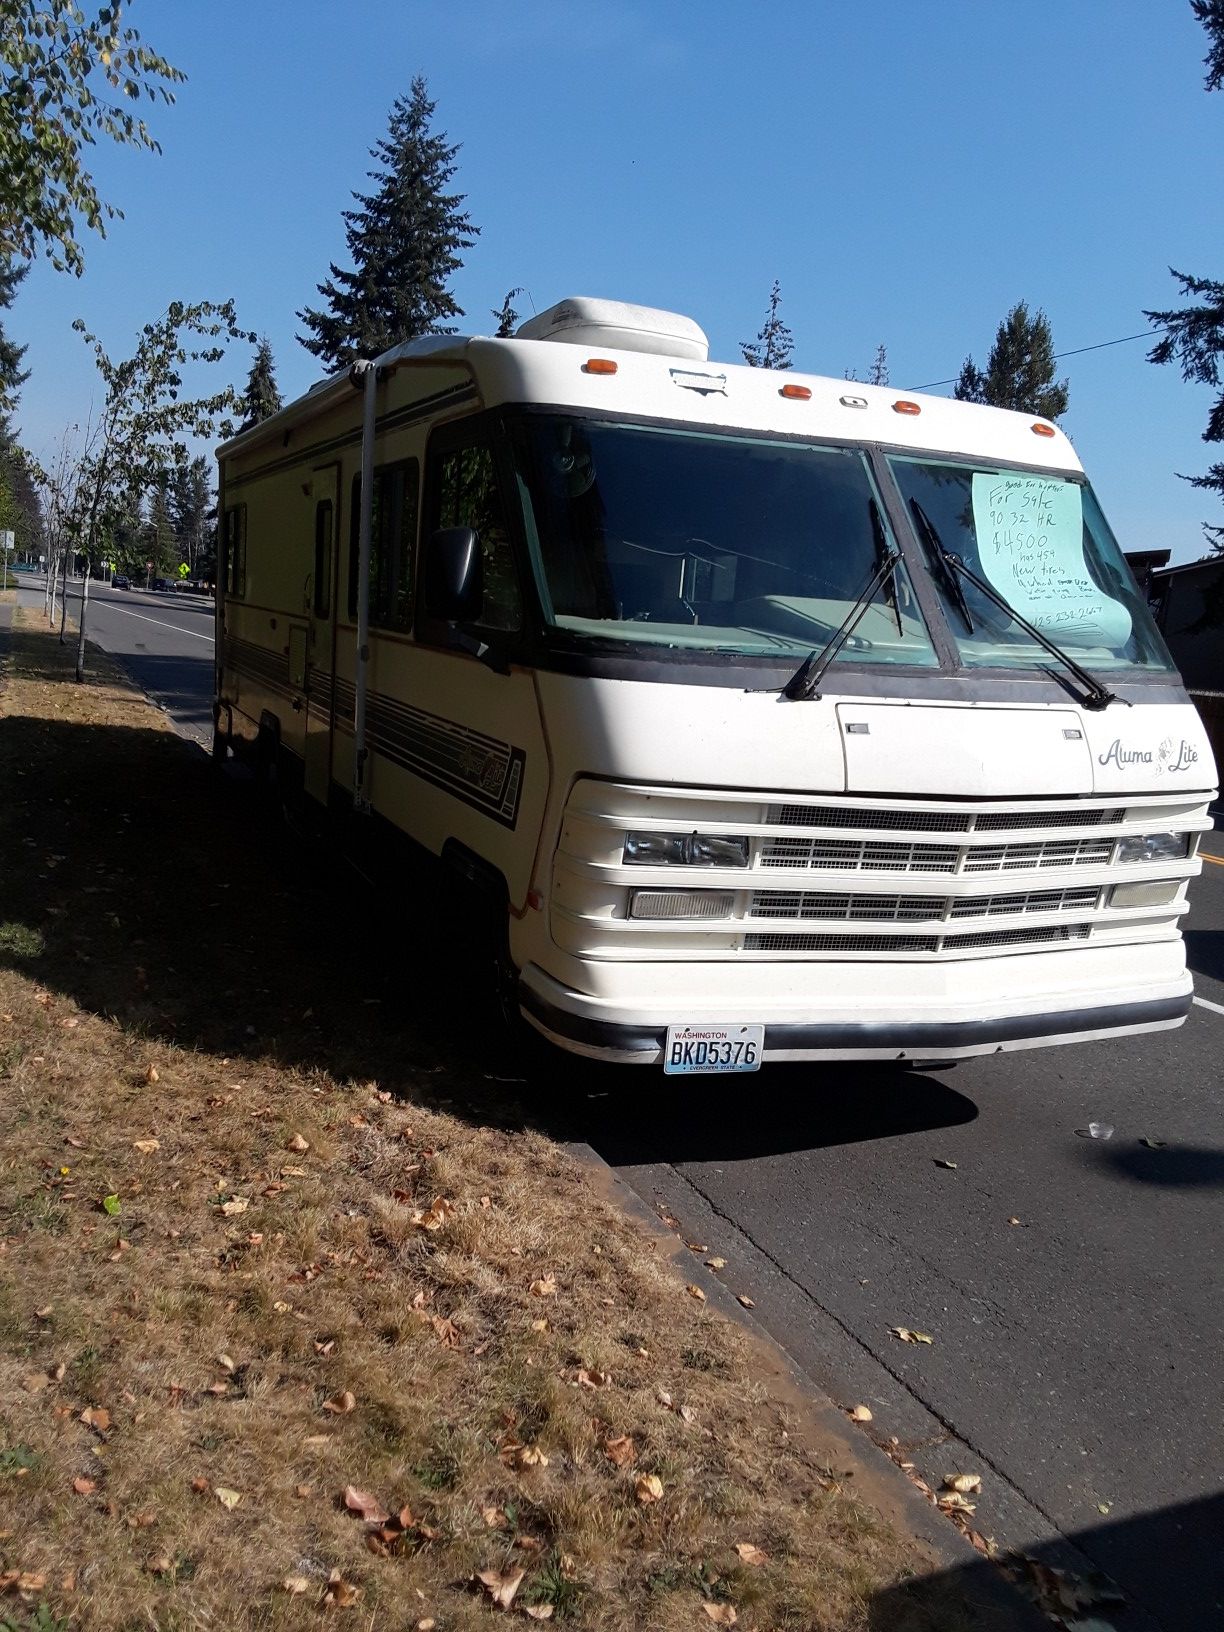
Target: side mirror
454, 579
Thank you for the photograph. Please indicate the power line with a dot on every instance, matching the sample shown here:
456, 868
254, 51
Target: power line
1058, 356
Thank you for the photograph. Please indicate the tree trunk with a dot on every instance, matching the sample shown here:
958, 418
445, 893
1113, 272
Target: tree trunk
80, 661
47, 582
63, 640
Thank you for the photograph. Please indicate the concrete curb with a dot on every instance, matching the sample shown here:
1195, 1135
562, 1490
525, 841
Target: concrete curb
996, 1606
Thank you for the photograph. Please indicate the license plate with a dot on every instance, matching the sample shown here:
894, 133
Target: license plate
698, 1050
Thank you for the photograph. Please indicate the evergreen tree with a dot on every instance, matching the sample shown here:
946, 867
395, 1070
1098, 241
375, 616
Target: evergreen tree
404, 240
12, 375
159, 531
774, 344
1194, 335
507, 317
1020, 370
877, 374
190, 500
262, 398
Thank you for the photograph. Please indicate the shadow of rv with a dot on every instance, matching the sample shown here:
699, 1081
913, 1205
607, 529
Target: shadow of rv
189, 909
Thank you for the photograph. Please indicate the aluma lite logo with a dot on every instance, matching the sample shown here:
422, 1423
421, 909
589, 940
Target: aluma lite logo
1168, 755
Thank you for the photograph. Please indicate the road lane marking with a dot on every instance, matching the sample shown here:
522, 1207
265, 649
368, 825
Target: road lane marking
162, 624
1206, 1003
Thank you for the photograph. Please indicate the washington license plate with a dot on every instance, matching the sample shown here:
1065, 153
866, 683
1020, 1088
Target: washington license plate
693, 1050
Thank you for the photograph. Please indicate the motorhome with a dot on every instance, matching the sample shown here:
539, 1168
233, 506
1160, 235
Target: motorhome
776, 717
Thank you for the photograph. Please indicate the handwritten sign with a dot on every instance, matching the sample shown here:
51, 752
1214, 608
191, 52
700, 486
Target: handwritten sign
1030, 533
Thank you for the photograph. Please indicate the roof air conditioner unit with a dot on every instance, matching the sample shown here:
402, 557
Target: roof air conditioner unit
618, 326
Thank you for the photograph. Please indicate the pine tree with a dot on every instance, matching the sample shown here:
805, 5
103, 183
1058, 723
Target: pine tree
507, 317
12, 375
404, 240
1194, 335
262, 398
1020, 370
190, 500
774, 344
159, 530
877, 374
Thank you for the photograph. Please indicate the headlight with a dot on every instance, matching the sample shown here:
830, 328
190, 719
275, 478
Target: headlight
1154, 847
685, 850
680, 903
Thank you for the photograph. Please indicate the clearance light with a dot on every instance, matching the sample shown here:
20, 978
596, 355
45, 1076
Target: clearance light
796, 393
1042, 430
903, 407
599, 365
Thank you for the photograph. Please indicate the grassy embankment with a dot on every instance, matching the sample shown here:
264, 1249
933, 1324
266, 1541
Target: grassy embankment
296, 1314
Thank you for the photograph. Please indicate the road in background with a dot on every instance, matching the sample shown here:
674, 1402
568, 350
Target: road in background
1070, 1285
165, 641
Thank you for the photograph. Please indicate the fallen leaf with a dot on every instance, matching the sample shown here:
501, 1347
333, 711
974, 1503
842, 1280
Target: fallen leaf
746, 1301
906, 1336
343, 1594
295, 1584
96, 1416
750, 1554
716, 1263
539, 1612
361, 1502
163, 1564
341, 1404
530, 1456
648, 1489
45, 1312
861, 1413
687, 1414
427, 1625
941, 1161
433, 1217
501, 1588
1103, 1507
110, 1205
296, 1142
152, 1074
224, 1361
1013, 1221
721, 1614
228, 1498
592, 1379
494, 1517
282, 1308
620, 1451
664, 1398
545, 1287
696, 1292
84, 1487
234, 1206
1154, 1144
968, 1484
324, 1348
302, 1491
696, 1246
146, 1147
35, 1382
217, 1388
539, 1325
951, 1501
199, 1484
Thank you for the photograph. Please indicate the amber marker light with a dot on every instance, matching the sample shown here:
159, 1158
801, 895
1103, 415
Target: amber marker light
1042, 430
599, 365
796, 393
902, 406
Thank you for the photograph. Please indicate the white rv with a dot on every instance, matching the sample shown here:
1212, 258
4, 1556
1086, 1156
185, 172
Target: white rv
779, 717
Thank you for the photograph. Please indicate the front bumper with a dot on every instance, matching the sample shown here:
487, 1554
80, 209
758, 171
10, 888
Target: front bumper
877, 1011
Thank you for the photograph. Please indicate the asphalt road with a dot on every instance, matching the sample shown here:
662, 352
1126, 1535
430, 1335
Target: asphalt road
165, 641
1076, 1362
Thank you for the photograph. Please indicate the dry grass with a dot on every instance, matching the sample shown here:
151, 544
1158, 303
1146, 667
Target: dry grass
176, 967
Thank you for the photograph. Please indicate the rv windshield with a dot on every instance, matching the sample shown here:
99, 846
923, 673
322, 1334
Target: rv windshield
707, 542
1041, 543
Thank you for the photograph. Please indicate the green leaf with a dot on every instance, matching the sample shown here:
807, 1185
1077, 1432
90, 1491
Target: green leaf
110, 1205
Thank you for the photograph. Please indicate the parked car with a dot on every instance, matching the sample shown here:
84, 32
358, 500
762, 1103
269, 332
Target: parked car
120, 582
161, 586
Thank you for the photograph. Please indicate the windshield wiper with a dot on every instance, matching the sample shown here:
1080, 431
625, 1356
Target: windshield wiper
881, 549
1098, 694
945, 560
801, 687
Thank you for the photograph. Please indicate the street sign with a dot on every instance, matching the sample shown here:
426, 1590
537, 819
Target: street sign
6, 538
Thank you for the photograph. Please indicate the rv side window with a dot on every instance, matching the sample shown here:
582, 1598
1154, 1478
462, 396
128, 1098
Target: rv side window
235, 550
466, 493
393, 528
323, 558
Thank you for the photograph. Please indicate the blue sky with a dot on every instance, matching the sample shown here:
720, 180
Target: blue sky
908, 169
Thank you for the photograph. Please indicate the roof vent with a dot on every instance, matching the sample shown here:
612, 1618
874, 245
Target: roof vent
618, 326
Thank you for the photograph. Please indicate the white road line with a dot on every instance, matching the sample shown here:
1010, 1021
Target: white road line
162, 624
1206, 1003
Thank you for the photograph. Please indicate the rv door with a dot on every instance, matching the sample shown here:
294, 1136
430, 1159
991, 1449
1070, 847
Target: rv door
321, 596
